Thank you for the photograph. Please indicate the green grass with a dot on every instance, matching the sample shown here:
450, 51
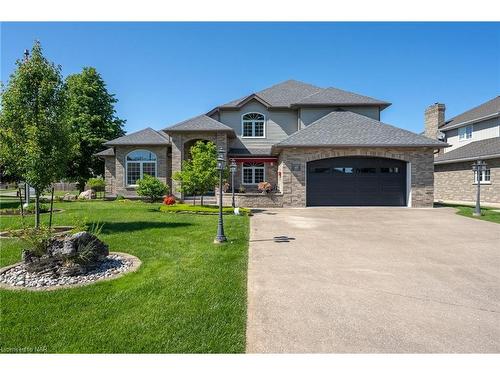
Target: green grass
487, 214
189, 295
188, 208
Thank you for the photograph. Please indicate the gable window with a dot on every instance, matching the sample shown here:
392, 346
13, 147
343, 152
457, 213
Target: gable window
485, 177
252, 125
253, 173
138, 163
465, 132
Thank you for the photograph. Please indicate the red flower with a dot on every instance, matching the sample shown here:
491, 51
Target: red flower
170, 200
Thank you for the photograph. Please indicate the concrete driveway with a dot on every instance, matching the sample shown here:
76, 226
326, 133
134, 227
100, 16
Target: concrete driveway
363, 280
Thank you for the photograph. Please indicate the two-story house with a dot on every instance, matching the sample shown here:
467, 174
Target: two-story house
316, 147
472, 135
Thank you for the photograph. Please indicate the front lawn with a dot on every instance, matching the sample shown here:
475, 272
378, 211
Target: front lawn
488, 214
189, 295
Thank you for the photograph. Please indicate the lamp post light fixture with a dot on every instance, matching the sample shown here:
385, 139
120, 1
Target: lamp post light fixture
232, 168
221, 164
478, 167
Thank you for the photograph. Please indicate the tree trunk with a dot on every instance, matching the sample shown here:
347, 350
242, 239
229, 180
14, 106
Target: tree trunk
51, 207
37, 208
20, 192
81, 186
201, 200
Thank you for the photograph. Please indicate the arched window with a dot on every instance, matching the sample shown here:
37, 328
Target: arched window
252, 125
138, 163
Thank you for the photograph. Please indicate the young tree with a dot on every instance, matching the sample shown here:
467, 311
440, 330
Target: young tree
34, 137
92, 119
199, 174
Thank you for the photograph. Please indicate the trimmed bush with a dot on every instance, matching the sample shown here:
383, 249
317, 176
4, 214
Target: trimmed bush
151, 188
202, 210
97, 184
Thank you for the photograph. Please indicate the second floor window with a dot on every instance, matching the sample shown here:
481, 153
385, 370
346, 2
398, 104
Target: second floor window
465, 133
252, 125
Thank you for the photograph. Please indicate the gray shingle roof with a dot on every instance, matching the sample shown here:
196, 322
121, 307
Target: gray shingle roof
282, 94
108, 152
334, 96
490, 108
486, 148
146, 136
250, 151
344, 128
295, 93
199, 123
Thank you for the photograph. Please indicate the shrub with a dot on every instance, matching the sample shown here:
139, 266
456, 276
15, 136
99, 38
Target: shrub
151, 188
242, 189
35, 238
120, 197
170, 200
43, 208
97, 184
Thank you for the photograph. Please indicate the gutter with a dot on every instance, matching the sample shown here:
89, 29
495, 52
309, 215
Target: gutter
472, 158
406, 145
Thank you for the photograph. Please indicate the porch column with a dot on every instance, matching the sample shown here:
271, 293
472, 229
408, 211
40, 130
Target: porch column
177, 157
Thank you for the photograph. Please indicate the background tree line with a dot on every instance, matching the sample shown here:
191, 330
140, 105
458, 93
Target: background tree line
50, 127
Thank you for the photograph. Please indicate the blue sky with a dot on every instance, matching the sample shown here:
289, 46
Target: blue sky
163, 73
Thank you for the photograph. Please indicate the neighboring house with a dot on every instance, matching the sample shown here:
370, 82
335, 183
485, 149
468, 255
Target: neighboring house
316, 146
472, 135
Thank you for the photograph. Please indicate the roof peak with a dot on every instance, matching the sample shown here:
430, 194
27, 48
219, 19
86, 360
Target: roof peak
294, 93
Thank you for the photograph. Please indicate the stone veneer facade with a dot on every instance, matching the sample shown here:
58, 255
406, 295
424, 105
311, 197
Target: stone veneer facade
180, 139
119, 187
253, 200
293, 182
455, 182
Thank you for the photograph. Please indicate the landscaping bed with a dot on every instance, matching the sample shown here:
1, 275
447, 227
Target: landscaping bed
203, 210
18, 276
188, 296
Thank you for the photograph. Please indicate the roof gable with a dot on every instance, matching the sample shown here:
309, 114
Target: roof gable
283, 94
489, 108
146, 136
294, 93
345, 128
199, 123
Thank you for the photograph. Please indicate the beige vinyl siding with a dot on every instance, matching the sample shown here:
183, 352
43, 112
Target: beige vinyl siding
279, 124
481, 130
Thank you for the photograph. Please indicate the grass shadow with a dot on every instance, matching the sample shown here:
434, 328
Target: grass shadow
9, 204
131, 226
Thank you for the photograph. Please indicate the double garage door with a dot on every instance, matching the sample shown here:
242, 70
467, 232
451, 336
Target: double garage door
356, 181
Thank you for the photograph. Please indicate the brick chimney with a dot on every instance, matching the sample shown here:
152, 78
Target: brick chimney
434, 116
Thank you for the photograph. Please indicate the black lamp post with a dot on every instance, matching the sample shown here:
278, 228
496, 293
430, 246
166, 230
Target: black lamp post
221, 163
232, 168
478, 167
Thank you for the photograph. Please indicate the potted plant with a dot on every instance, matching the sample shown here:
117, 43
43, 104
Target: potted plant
265, 187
